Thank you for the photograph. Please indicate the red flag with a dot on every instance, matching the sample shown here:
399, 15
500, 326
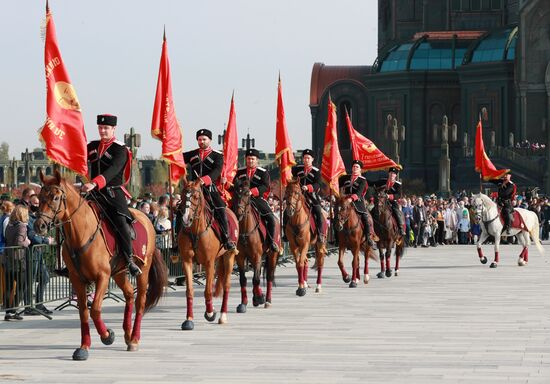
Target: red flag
283, 148
366, 151
165, 126
333, 165
230, 146
483, 164
63, 133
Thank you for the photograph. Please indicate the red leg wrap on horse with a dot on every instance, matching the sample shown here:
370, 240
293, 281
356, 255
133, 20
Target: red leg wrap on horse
127, 324
100, 326
209, 306
357, 273
300, 271
136, 334
382, 264
526, 254
319, 275
190, 308
388, 264
244, 296
480, 252
85, 334
306, 271
496, 257
257, 290
366, 269
225, 300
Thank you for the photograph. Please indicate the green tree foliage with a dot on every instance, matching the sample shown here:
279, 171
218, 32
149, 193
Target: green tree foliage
160, 173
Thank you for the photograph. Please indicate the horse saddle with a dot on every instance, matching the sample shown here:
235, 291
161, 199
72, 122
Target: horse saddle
516, 223
139, 234
313, 225
232, 225
263, 229
371, 227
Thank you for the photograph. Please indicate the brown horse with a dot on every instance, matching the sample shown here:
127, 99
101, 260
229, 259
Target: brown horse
197, 241
88, 260
388, 236
300, 237
251, 249
351, 236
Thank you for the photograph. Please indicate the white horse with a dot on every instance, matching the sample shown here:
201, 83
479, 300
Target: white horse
487, 213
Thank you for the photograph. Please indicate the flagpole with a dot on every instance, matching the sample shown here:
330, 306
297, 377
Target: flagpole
171, 213
281, 207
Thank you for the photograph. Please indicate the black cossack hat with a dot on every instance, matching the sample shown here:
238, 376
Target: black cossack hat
106, 119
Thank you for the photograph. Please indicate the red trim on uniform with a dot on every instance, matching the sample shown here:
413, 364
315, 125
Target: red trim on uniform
204, 152
391, 197
104, 145
354, 197
100, 181
254, 192
310, 188
206, 180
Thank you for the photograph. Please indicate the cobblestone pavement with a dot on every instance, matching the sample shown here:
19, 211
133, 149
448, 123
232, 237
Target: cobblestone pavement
445, 319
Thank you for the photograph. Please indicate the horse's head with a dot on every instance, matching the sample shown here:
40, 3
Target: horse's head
192, 201
241, 201
477, 203
344, 208
293, 197
53, 203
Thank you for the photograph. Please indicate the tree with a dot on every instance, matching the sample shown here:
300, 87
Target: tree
4, 151
160, 173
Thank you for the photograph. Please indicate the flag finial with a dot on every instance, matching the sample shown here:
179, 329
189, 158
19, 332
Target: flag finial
164, 33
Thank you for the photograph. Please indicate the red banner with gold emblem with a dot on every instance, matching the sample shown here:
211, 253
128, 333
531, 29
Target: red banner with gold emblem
366, 151
230, 146
333, 165
283, 148
483, 164
165, 126
63, 133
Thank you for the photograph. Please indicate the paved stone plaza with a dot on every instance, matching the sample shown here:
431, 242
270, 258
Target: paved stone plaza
445, 319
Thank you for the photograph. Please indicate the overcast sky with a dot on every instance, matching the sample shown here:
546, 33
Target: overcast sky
111, 49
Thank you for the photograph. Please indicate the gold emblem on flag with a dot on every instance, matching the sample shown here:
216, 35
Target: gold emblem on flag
65, 96
369, 148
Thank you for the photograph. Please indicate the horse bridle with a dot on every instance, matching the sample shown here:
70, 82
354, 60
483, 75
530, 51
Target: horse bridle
346, 219
53, 220
294, 207
481, 208
195, 207
244, 205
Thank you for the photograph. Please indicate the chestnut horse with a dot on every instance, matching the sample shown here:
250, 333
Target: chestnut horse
88, 260
197, 241
388, 236
299, 234
251, 249
351, 236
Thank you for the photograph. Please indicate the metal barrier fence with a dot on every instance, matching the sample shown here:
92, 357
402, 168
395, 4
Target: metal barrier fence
28, 279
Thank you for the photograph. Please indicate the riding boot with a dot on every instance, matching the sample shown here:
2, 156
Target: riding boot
400, 224
132, 266
366, 227
283, 234
270, 226
126, 248
222, 220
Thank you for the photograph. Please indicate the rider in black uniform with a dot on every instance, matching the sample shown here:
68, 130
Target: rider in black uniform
506, 193
392, 187
258, 179
109, 160
206, 164
354, 187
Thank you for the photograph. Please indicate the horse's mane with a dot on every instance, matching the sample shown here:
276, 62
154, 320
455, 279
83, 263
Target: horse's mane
486, 199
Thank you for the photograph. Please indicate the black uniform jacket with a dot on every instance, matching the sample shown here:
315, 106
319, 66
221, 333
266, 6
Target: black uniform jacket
208, 169
356, 190
109, 170
259, 184
506, 192
312, 179
394, 190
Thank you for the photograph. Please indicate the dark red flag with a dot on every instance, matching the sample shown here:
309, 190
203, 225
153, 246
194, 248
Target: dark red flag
63, 133
165, 126
333, 165
230, 146
283, 148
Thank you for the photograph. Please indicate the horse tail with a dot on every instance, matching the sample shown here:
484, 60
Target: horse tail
534, 231
158, 277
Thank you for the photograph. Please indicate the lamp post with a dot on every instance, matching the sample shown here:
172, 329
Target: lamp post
445, 161
397, 135
248, 142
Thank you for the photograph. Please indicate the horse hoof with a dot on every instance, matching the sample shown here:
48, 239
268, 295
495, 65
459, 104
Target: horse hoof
187, 325
110, 338
318, 289
366, 279
210, 318
483, 260
223, 319
353, 284
522, 262
300, 292
388, 273
493, 265
132, 347
241, 308
80, 354
380, 275
397, 272
347, 279
258, 300
267, 304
